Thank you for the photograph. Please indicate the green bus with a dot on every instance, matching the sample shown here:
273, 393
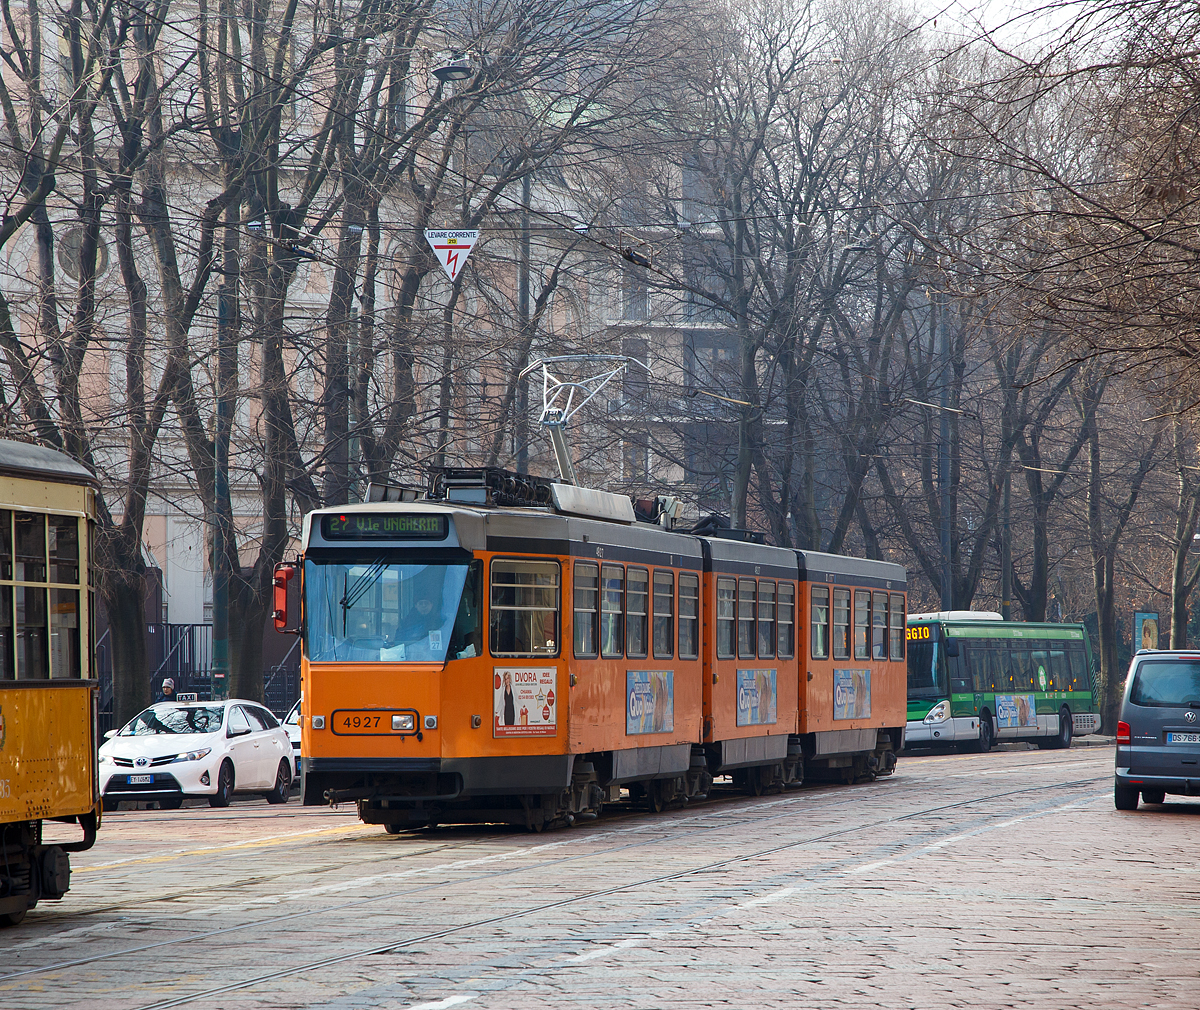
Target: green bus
974, 679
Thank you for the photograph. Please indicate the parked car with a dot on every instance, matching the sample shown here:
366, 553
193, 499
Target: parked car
1158, 732
292, 724
214, 749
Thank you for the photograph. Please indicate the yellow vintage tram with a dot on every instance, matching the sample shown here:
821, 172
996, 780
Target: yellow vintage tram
47, 694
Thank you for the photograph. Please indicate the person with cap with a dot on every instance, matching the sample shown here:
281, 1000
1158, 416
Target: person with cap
167, 691
422, 618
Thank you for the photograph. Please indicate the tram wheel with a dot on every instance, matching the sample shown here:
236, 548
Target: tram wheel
656, 796
13, 918
393, 828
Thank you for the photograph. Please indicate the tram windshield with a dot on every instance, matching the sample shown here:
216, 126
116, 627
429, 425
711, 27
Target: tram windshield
382, 612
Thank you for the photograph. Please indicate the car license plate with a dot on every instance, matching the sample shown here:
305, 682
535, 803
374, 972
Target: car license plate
140, 780
1183, 738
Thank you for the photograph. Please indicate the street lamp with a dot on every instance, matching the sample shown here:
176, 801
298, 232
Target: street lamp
456, 68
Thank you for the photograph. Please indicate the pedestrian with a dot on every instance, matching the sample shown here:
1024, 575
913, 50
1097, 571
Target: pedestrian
167, 691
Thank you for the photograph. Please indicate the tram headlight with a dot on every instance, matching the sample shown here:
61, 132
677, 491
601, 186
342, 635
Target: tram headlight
193, 755
403, 723
939, 713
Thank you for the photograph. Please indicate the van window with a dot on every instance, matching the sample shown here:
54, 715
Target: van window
1166, 684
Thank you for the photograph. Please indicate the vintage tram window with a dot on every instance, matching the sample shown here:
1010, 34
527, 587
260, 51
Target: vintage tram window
664, 615
64, 549
726, 617
637, 598
841, 624
65, 660
466, 637
33, 654
787, 620
689, 616
524, 608
30, 536
8, 663
587, 610
766, 619
746, 603
896, 626
820, 622
612, 611
862, 624
879, 612
6, 545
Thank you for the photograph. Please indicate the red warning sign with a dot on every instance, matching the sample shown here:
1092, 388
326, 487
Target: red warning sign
452, 248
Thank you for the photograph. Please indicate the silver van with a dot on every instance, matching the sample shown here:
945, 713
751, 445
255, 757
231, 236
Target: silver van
1158, 735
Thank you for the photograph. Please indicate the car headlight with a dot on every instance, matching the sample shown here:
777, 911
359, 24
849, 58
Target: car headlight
939, 713
192, 755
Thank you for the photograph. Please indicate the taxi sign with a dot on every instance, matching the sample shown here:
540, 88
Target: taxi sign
185, 698
452, 247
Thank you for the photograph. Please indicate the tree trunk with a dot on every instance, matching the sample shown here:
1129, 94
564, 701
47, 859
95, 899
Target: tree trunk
125, 604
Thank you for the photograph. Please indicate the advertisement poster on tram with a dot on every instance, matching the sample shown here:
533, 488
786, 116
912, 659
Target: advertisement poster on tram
757, 698
1016, 711
525, 701
649, 701
851, 694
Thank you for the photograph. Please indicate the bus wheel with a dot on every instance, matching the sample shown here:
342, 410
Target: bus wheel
1066, 729
984, 743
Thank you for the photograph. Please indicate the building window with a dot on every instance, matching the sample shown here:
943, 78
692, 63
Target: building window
635, 297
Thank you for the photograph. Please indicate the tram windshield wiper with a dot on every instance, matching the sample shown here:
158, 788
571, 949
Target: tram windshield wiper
354, 591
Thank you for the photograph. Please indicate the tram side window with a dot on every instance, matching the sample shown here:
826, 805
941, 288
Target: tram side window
664, 615
33, 654
787, 620
524, 608
820, 622
726, 617
64, 549
879, 614
862, 624
689, 616
587, 610
65, 657
612, 611
6, 545
30, 536
896, 625
466, 637
746, 618
841, 624
7, 659
637, 597
766, 619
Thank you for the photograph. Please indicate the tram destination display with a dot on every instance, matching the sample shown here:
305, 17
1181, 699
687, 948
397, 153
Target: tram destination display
383, 526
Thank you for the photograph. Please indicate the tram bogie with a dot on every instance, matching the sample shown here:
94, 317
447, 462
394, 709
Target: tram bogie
468, 662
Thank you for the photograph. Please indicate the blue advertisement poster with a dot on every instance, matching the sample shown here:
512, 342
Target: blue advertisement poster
649, 701
851, 694
757, 698
1016, 711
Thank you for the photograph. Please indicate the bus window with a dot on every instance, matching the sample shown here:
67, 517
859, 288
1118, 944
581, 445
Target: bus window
766, 619
637, 597
879, 625
689, 616
745, 618
524, 610
612, 611
841, 624
926, 668
1058, 673
1020, 674
1039, 669
862, 624
586, 603
896, 621
1079, 672
787, 620
820, 622
726, 619
664, 615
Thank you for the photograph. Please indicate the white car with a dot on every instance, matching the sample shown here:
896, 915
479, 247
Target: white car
208, 748
292, 724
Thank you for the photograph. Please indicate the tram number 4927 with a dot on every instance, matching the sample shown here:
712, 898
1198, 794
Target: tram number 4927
361, 722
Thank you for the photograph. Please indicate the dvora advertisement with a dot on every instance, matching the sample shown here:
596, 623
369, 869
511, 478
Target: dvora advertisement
525, 701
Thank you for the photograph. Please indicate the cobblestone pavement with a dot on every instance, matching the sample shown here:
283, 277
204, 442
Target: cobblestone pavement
999, 880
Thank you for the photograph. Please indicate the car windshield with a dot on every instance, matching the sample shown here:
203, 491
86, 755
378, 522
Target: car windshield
293, 717
382, 612
174, 719
1166, 684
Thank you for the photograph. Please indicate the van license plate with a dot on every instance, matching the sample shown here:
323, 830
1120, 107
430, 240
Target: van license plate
1183, 738
145, 780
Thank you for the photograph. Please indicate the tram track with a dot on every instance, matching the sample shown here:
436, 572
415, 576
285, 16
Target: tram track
753, 813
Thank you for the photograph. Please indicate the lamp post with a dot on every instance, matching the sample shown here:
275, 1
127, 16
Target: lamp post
453, 71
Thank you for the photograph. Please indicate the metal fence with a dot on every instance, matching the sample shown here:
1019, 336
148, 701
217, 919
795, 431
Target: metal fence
183, 652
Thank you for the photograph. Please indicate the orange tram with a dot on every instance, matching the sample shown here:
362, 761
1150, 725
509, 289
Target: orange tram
507, 649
